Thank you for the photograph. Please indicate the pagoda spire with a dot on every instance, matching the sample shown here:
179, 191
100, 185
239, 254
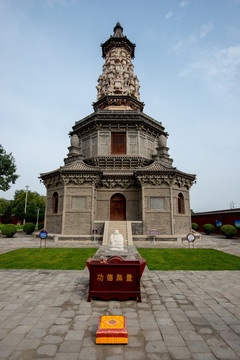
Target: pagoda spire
118, 31
118, 86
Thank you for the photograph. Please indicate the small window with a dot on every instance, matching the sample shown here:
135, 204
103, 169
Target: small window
181, 207
157, 203
55, 203
118, 143
78, 203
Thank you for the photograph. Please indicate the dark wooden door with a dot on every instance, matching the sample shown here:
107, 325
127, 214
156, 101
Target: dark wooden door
118, 207
118, 143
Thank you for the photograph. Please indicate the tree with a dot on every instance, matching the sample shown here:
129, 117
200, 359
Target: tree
7, 170
34, 202
7, 214
3, 205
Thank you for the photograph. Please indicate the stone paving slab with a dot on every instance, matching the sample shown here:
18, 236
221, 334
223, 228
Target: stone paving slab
50, 317
44, 314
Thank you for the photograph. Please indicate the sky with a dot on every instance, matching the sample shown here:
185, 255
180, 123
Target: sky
187, 60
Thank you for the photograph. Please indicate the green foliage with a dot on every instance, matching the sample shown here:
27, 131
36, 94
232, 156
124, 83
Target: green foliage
189, 259
7, 215
29, 228
7, 170
195, 226
208, 228
3, 205
228, 230
58, 259
40, 226
9, 230
34, 202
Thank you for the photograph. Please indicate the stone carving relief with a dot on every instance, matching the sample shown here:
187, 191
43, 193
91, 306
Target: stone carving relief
80, 179
111, 183
93, 150
104, 143
132, 140
118, 77
89, 146
53, 181
170, 180
142, 146
154, 179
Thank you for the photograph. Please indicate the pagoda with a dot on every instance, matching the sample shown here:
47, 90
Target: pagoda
118, 173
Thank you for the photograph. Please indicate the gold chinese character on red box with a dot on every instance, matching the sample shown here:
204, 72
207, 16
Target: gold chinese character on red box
100, 277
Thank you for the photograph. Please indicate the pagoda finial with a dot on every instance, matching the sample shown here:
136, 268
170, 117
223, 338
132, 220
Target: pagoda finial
118, 30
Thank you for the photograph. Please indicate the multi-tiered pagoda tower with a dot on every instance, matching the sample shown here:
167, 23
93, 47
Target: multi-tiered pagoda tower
118, 167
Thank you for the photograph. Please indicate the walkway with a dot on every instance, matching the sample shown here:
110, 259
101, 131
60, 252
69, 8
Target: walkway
183, 314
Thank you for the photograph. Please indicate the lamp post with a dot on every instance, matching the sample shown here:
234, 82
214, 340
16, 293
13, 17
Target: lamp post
25, 207
37, 217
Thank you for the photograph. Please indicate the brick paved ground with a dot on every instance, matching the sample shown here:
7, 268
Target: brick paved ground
183, 314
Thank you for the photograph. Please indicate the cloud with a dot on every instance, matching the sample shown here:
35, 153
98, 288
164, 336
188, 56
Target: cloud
194, 37
233, 31
63, 3
169, 15
205, 29
189, 41
219, 68
184, 3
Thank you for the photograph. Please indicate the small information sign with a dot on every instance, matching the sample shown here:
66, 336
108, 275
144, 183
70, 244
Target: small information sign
218, 223
237, 224
190, 238
153, 232
43, 236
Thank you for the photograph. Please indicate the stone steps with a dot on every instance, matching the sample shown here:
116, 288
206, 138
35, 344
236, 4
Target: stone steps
124, 228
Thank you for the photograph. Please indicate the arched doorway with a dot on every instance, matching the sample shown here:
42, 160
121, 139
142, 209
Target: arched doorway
118, 207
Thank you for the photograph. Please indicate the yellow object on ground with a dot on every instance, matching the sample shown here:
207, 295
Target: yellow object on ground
112, 330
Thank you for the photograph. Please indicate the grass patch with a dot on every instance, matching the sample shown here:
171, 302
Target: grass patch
189, 259
51, 259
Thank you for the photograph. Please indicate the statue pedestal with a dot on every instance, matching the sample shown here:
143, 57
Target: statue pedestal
118, 252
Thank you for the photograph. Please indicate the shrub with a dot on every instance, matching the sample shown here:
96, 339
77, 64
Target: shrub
9, 230
40, 226
29, 228
228, 230
195, 226
208, 228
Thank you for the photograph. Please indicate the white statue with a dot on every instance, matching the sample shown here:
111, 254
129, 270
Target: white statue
116, 241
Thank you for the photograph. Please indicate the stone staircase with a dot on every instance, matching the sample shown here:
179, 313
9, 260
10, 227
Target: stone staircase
124, 227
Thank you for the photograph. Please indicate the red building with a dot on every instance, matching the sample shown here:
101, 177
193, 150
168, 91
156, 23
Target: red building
218, 218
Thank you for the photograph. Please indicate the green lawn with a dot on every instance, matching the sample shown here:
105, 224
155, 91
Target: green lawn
57, 259
189, 259
157, 259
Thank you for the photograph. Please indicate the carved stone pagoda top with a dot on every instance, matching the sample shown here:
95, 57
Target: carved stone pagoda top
118, 86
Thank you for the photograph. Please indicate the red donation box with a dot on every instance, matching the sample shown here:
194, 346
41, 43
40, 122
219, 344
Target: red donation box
115, 278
